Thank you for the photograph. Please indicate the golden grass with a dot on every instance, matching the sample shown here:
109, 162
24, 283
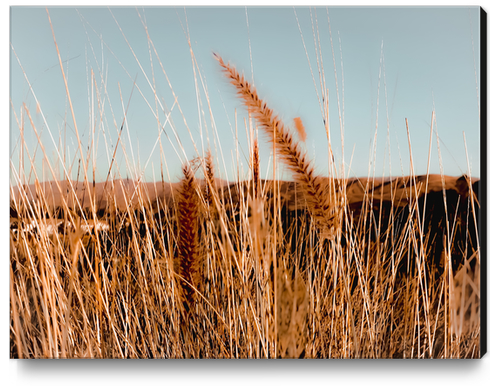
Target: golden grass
298, 123
245, 270
187, 263
256, 169
288, 149
148, 286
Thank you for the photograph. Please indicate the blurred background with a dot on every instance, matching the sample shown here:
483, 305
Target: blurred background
153, 70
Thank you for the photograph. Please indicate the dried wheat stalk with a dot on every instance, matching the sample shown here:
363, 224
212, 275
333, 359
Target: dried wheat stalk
298, 123
187, 262
293, 309
288, 149
256, 169
210, 180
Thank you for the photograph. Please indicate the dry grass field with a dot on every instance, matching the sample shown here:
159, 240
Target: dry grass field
315, 267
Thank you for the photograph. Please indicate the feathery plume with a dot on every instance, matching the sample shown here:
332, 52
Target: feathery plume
300, 128
210, 181
256, 168
186, 265
288, 150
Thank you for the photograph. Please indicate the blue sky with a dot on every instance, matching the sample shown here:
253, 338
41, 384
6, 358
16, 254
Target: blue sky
426, 55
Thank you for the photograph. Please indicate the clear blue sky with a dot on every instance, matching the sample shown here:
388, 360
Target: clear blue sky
428, 61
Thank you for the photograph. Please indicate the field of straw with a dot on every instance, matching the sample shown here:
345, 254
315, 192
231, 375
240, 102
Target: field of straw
315, 267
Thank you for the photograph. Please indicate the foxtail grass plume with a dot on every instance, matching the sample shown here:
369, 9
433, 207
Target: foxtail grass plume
210, 180
300, 128
256, 168
187, 263
288, 149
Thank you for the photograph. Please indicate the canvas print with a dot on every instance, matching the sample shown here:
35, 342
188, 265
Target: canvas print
246, 182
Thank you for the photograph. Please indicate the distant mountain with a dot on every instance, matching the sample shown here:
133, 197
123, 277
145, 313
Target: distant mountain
122, 192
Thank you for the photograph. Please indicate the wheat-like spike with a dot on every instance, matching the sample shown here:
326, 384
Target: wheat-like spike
210, 181
300, 128
288, 149
187, 263
256, 168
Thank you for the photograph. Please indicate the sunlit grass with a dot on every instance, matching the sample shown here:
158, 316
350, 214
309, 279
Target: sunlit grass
320, 267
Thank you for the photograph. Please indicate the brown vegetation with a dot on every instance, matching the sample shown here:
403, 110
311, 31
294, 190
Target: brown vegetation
315, 267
